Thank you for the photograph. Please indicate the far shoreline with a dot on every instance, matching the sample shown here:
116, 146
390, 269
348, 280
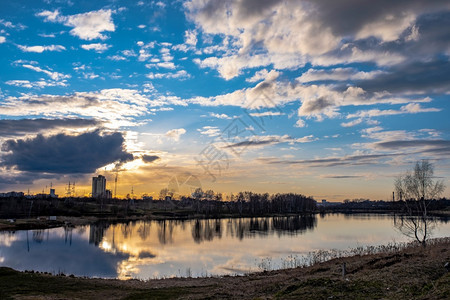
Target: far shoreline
44, 222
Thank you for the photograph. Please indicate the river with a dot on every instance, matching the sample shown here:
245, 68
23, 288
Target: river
161, 249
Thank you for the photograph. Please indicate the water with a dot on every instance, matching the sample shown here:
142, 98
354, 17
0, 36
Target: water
158, 249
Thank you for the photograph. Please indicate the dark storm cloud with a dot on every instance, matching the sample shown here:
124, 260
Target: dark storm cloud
316, 105
346, 17
63, 153
244, 9
433, 35
255, 7
425, 68
420, 77
24, 126
22, 178
150, 158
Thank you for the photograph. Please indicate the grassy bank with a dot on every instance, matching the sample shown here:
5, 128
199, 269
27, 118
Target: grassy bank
411, 273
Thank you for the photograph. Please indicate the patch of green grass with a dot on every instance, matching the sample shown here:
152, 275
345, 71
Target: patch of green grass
17, 283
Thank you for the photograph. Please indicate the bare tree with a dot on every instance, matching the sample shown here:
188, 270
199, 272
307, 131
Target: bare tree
417, 187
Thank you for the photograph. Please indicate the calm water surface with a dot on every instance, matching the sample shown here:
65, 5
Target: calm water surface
158, 249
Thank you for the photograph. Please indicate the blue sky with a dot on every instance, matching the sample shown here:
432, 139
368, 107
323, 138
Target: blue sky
327, 98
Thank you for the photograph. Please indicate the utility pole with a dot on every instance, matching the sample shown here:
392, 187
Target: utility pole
68, 190
115, 184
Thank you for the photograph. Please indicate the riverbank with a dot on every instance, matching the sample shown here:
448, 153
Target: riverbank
411, 273
46, 222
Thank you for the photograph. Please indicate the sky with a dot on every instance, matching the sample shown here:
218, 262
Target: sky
330, 99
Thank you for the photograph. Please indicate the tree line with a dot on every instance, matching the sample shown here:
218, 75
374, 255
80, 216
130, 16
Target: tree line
249, 203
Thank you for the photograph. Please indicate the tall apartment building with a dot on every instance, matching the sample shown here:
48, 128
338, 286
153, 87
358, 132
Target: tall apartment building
99, 186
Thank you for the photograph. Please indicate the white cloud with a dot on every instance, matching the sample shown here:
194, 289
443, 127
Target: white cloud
305, 139
98, 47
264, 75
160, 4
53, 75
411, 108
116, 57
20, 83
148, 87
182, 74
388, 28
267, 114
289, 34
220, 116
210, 131
190, 41
300, 123
36, 84
338, 74
9, 24
90, 75
2, 39
284, 32
377, 133
116, 107
40, 49
86, 26
129, 53
47, 35
51, 16
231, 66
317, 101
167, 100
167, 65
267, 140
175, 134
190, 37
352, 123
143, 55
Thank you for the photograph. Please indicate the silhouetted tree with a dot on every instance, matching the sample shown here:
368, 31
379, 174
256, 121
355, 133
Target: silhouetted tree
418, 188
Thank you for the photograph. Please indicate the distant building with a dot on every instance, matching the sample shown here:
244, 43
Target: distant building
52, 194
325, 203
108, 194
99, 187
